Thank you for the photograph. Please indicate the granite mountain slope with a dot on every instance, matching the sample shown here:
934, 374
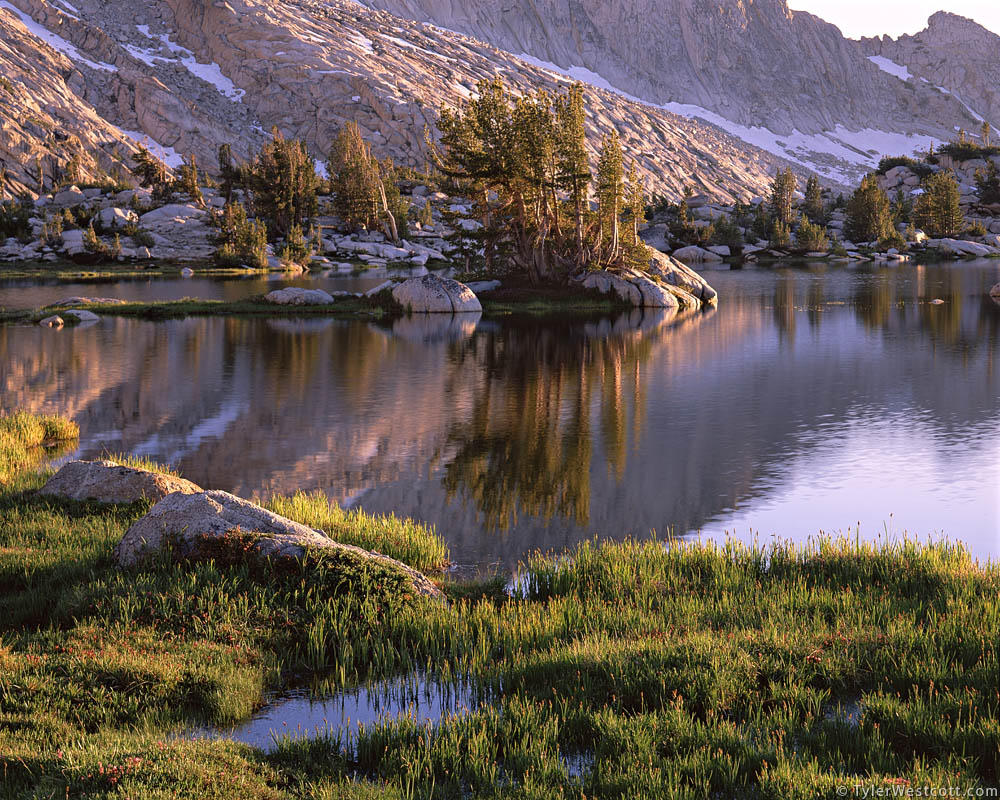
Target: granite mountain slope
192, 74
785, 80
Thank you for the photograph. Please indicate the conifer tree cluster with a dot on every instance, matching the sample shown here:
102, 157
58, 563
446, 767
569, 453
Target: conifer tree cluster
525, 162
937, 210
869, 215
282, 183
365, 189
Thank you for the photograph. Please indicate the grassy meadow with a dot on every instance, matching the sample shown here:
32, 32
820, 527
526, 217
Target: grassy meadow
628, 670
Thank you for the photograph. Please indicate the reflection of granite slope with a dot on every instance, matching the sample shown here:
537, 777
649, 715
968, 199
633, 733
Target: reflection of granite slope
352, 408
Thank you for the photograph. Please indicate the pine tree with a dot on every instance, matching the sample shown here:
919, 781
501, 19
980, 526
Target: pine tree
902, 207
187, 180
988, 184
781, 235
987, 130
811, 237
282, 181
230, 174
782, 191
244, 241
635, 203
938, 211
813, 206
573, 164
148, 168
869, 217
359, 183
610, 192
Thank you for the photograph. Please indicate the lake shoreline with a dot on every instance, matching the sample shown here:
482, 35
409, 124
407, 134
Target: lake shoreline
641, 664
571, 301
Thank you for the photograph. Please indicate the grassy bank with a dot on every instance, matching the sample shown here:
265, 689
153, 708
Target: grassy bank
519, 301
683, 672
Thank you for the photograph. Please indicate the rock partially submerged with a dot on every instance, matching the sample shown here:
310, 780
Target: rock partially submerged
675, 273
110, 482
293, 296
637, 290
55, 321
81, 315
995, 293
667, 284
432, 294
183, 522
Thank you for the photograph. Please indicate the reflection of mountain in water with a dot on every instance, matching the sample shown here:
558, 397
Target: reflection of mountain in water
519, 435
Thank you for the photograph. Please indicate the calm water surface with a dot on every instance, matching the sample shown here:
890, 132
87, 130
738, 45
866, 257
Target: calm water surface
812, 400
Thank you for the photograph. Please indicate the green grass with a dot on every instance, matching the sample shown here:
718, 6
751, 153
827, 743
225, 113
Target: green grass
405, 540
139, 462
529, 302
688, 670
23, 436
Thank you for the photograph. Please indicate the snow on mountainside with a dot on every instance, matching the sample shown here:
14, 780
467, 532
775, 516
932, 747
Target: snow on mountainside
193, 74
781, 80
954, 54
717, 94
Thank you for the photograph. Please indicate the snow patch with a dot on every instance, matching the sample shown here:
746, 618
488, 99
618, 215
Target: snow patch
894, 69
55, 41
69, 10
364, 42
410, 45
210, 73
167, 155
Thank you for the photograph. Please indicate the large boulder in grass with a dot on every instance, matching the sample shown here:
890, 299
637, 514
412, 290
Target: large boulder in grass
110, 482
432, 294
190, 524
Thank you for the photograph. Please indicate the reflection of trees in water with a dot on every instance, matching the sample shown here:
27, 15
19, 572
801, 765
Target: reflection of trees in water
527, 446
873, 300
784, 305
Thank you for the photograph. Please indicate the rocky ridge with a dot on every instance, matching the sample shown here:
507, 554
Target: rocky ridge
190, 74
782, 79
952, 53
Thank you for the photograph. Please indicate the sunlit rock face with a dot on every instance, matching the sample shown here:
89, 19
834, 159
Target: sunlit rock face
953, 53
755, 63
190, 75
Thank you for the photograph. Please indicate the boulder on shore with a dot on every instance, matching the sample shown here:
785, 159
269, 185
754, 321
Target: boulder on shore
432, 294
673, 272
81, 315
293, 296
110, 482
696, 255
637, 290
183, 523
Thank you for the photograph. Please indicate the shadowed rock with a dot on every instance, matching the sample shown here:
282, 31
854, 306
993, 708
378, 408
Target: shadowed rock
110, 482
182, 522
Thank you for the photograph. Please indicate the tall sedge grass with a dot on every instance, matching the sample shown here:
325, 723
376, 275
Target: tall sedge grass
22, 436
637, 670
403, 539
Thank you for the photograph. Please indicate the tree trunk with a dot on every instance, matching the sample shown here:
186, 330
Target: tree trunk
389, 221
